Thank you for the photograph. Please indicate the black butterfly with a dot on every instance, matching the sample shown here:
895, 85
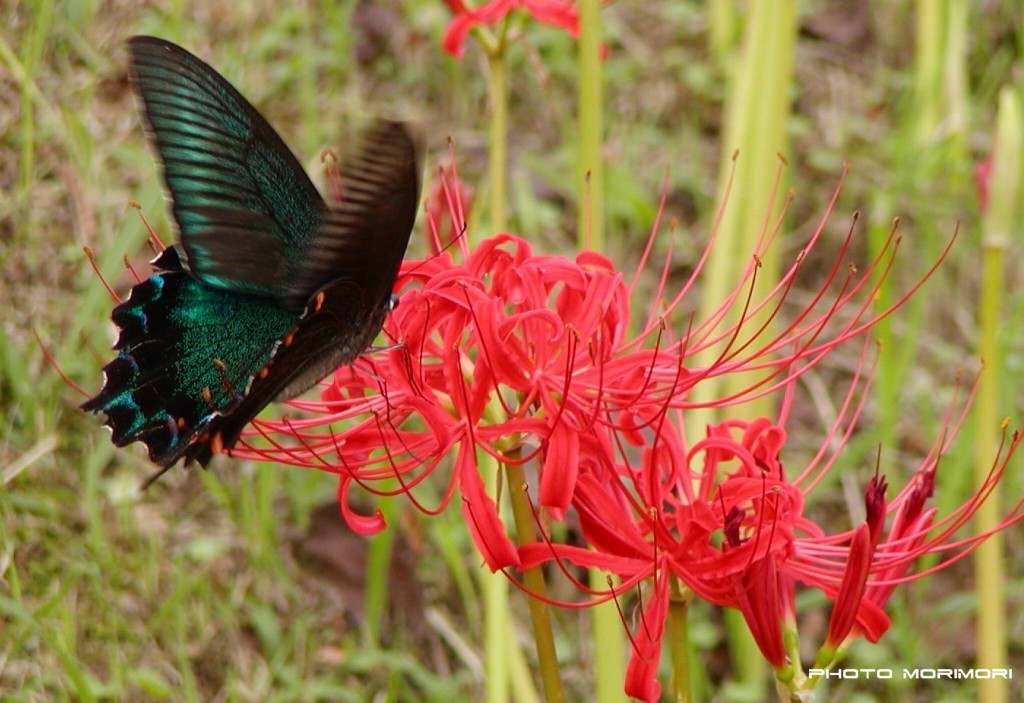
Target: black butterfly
270, 288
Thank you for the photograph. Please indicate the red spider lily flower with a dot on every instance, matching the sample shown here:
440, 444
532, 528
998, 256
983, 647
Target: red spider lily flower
725, 519
487, 353
555, 13
524, 357
535, 359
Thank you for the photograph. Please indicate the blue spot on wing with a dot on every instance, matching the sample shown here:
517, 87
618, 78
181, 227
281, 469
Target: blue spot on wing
185, 352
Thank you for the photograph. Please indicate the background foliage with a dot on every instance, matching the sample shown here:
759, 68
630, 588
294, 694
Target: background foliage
236, 584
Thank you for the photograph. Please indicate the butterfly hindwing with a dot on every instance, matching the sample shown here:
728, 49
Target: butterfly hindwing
186, 354
236, 188
336, 327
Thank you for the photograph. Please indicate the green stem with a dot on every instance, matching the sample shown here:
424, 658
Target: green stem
955, 96
609, 645
497, 166
721, 31
378, 572
540, 612
757, 111
590, 226
497, 616
608, 632
928, 44
998, 229
679, 642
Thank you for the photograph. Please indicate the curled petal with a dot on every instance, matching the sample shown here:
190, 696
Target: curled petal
360, 524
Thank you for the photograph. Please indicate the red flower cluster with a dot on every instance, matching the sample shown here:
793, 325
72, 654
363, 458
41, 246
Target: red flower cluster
535, 360
556, 13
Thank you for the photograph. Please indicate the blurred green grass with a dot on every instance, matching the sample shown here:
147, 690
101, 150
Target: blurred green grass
200, 589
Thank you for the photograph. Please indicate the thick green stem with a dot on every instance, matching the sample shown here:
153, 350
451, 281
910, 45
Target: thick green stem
608, 632
721, 30
757, 111
679, 642
609, 637
941, 103
540, 611
378, 572
497, 165
999, 228
497, 618
928, 45
590, 227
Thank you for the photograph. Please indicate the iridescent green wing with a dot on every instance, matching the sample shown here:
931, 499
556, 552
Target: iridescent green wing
244, 206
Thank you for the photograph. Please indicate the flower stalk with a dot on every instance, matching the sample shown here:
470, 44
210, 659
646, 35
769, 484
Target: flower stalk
609, 637
1000, 212
497, 141
757, 110
679, 641
533, 579
590, 227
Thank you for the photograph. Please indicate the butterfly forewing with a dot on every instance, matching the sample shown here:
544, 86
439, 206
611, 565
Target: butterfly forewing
244, 206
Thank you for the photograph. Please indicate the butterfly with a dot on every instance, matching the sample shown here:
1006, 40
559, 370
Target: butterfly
269, 287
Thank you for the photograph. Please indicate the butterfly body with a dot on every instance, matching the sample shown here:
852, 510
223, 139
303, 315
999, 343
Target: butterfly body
270, 288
